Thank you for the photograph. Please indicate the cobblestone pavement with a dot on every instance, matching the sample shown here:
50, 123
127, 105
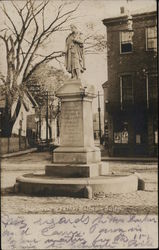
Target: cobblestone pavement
139, 202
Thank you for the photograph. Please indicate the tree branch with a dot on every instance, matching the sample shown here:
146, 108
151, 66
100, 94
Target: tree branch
38, 40
18, 11
35, 14
46, 59
48, 32
20, 61
11, 21
31, 45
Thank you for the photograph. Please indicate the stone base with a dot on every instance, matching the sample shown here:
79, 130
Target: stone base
76, 155
43, 185
73, 170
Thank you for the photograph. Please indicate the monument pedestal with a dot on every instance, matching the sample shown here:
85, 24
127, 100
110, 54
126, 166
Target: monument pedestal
76, 169
77, 149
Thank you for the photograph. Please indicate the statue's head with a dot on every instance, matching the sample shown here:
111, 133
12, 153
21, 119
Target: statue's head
73, 28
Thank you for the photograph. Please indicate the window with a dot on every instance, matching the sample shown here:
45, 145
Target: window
121, 137
152, 90
0, 122
152, 84
126, 41
138, 139
121, 133
151, 36
126, 90
156, 137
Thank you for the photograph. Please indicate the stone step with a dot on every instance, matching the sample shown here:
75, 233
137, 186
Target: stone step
43, 185
73, 170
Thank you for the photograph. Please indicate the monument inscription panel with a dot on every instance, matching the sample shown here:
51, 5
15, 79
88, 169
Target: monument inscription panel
71, 124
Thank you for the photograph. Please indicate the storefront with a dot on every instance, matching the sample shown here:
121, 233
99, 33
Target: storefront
135, 135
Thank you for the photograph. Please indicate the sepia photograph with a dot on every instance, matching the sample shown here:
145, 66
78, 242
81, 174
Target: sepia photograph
79, 124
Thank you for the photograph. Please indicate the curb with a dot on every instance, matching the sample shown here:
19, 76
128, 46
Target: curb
19, 153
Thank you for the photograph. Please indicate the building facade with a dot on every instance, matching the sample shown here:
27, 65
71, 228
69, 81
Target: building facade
130, 94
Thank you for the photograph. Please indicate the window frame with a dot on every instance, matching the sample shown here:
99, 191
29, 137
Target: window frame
120, 39
148, 99
146, 31
121, 89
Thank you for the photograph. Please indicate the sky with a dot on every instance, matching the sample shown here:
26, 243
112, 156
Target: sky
89, 11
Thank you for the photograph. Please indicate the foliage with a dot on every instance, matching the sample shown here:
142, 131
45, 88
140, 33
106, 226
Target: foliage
45, 79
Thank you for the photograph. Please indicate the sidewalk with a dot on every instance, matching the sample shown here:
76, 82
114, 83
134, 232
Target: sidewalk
105, 157
130, 159
30, 150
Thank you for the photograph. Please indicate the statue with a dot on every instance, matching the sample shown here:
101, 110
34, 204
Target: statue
74, 54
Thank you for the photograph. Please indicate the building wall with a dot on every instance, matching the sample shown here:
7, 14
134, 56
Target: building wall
134, 62
138, 63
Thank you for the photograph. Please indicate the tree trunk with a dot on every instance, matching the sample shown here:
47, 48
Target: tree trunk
8, 120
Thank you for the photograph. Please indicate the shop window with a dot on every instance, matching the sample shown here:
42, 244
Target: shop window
126, 90
151, 38
117, 137
126, 43
121, 136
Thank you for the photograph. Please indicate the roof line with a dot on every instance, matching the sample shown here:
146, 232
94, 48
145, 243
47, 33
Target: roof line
135, 16
31, 98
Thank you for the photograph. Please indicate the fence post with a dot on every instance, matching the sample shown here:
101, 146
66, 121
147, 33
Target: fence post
19, 139
25, 143
8, 144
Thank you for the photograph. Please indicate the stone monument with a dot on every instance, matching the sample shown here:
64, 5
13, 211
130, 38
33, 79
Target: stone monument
76, 169
77, 150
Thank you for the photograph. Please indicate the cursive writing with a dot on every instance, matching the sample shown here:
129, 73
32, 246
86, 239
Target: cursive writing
78, 231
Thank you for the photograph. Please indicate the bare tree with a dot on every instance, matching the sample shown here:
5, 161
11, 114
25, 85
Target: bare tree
95, 42
23, 43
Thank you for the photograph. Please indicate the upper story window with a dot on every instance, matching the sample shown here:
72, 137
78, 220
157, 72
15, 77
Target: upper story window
126, 43
151, 38
126, 90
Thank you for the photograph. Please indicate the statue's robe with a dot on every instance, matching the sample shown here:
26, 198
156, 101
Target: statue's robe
74, 54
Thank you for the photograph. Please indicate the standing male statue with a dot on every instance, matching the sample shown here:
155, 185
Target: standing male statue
74, 54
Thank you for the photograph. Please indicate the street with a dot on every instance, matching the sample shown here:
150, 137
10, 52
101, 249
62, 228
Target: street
139, 202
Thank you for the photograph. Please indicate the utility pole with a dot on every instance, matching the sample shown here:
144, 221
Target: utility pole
58, 110
99, 110
40, 122
47, 115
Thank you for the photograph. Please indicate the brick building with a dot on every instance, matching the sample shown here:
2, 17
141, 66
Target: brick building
130, 94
